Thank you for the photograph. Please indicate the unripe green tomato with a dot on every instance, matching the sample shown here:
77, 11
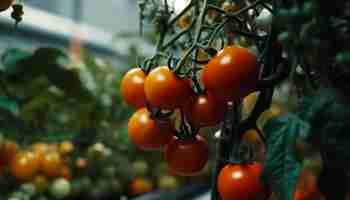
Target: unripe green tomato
140, 168
343, 57
60, 188
284, 37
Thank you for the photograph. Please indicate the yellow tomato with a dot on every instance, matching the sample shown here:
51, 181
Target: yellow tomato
24, 166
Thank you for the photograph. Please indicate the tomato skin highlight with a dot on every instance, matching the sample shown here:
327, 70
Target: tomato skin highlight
186, 157
132, 87
231, 74
165, 90
145, 133
205, 111
241, 182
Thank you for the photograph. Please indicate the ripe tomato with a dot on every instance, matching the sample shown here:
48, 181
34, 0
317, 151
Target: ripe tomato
165, 90
5, 4
40, 149
306, 188
24, 166
252, 137
132, 87
231, 74
66, 172
140, 186
65, 148
145, 133
241, 182
205, 111
186, 157
8, 151
81, 163
51, 164
229, 6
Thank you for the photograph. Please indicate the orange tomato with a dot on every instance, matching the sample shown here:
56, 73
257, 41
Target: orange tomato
252, 137
24, 166
65, 148
145, 133
132, 87
51, 164
5, 4
40, 149
229, 6
140, 186
205, 111
165, 90
241, 182
186, 157
306, 188
8, 151
81, 163
232, 74
66, 172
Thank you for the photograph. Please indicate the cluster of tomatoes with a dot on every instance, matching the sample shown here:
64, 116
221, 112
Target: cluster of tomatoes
229, 76
39, 162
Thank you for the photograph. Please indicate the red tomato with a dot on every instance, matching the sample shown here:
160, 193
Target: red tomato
132, 87
306, 188
186, 157
205, 111
241, 182
165, 90
145, 133
231, 74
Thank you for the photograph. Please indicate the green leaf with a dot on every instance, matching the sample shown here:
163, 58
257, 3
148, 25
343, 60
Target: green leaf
282, 168
11, 59
9, 105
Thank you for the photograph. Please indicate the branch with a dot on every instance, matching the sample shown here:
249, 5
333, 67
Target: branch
281, 74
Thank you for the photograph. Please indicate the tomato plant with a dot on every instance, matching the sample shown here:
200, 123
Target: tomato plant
205, 111
164, 89
241, 182
232, 73
146, 133
132, 87
186, 156
5, 4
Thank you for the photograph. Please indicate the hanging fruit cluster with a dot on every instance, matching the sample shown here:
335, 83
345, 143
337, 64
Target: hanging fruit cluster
209, 57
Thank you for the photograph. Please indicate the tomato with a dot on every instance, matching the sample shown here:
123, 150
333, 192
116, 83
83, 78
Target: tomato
132, 87
24, 166
306, 188
249, 103
66, 172
205, 111
40, 149
65, 148
165, 90
5, 4
241, 182
186, 157
145, 133
140, 186
8, 151
81, 163
184, 21
51, 164
252, 137
229, 6
231, 74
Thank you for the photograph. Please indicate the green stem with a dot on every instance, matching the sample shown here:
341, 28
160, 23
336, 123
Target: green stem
178, 36
198, 32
